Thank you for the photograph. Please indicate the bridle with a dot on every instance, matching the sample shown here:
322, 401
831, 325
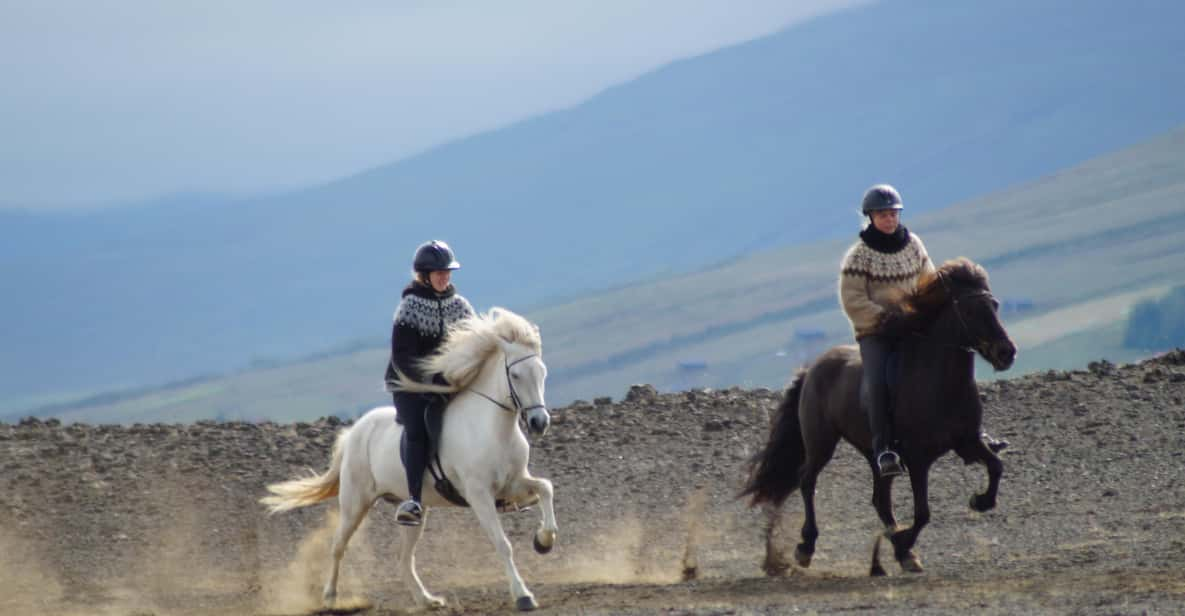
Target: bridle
954, 299
514, 397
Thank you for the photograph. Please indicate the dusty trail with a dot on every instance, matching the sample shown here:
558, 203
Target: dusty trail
162, 519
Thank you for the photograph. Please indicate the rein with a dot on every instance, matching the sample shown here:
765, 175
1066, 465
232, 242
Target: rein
514, 398
959, 315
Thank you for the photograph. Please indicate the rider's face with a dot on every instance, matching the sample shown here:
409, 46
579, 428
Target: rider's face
440, 280
886, 221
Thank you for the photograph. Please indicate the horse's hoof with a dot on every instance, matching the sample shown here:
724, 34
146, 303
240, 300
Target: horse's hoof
911, 563
690, 573
981, 503
775, 566
877, 571
526, 604
803, 557
540, 548
429, 602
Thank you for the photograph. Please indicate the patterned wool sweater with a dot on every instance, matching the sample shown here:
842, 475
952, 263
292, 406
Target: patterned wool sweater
420, 323
870, 278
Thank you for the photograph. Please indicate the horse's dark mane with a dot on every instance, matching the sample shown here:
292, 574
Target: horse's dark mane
931, 295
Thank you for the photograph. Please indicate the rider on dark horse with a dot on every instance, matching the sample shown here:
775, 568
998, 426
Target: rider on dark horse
430, 304
884, 265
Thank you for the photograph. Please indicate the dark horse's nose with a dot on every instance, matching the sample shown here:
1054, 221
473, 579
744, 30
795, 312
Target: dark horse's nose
1004, 354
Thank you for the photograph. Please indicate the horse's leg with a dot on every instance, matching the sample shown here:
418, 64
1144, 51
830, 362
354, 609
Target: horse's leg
775, 561
819, 450
481, 501
407, 566
810, 530
978, 451
904, 540
882, 500
353, 509
546, 535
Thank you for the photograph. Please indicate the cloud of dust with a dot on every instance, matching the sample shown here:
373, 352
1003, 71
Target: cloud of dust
174, 569
198, 554
634, 551
614, 557
696, 505
31, 588
297, 587
28, 587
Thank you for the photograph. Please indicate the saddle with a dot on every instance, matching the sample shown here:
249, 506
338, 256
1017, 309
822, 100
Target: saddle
434, 422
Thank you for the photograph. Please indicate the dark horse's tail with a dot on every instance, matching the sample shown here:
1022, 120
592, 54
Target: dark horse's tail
774, 471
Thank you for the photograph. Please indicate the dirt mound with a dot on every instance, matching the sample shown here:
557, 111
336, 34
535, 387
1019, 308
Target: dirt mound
163, 519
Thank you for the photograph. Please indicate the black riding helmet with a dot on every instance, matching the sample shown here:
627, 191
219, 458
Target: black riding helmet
435, 256
881, 197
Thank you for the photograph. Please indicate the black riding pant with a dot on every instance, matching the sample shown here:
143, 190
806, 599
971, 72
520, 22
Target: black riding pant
874, 354
413, 409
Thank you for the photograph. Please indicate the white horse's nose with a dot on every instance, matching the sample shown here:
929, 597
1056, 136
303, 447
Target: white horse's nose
538, 422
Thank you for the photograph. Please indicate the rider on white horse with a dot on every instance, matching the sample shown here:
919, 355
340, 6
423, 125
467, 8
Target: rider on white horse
429, 305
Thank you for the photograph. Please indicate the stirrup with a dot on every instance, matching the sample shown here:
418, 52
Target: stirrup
996, 445
410, 513
888, 464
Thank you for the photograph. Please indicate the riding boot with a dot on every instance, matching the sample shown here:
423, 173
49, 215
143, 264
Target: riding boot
874, 391
414, 453
415, 461
888, 463
409, 513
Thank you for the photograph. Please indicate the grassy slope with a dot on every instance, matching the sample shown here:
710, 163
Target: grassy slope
1083, 245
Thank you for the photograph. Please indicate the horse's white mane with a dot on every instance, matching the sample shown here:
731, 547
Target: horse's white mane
470, 342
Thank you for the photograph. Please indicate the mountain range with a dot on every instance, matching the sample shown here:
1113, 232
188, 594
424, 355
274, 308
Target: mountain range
699, 164
1068, 255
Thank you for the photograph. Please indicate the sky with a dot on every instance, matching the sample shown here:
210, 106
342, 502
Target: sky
106, 103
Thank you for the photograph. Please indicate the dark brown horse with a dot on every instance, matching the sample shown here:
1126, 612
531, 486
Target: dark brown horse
937, 409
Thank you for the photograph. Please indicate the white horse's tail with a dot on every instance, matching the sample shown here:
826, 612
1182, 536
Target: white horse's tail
311, 489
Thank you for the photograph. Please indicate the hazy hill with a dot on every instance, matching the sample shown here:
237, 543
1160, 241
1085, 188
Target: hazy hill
1073, 250
760, 145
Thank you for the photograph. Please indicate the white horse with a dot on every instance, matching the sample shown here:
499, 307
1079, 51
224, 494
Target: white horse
495, 364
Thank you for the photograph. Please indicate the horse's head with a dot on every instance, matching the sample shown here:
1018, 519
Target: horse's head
522, 350
958, 294
525, 375
470, 351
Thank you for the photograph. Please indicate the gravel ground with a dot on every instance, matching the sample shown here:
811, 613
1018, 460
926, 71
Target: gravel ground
163, 518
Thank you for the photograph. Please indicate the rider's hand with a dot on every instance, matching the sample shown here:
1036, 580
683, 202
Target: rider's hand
892, 323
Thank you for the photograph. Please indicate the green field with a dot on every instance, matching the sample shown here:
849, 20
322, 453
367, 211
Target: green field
1082, 246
